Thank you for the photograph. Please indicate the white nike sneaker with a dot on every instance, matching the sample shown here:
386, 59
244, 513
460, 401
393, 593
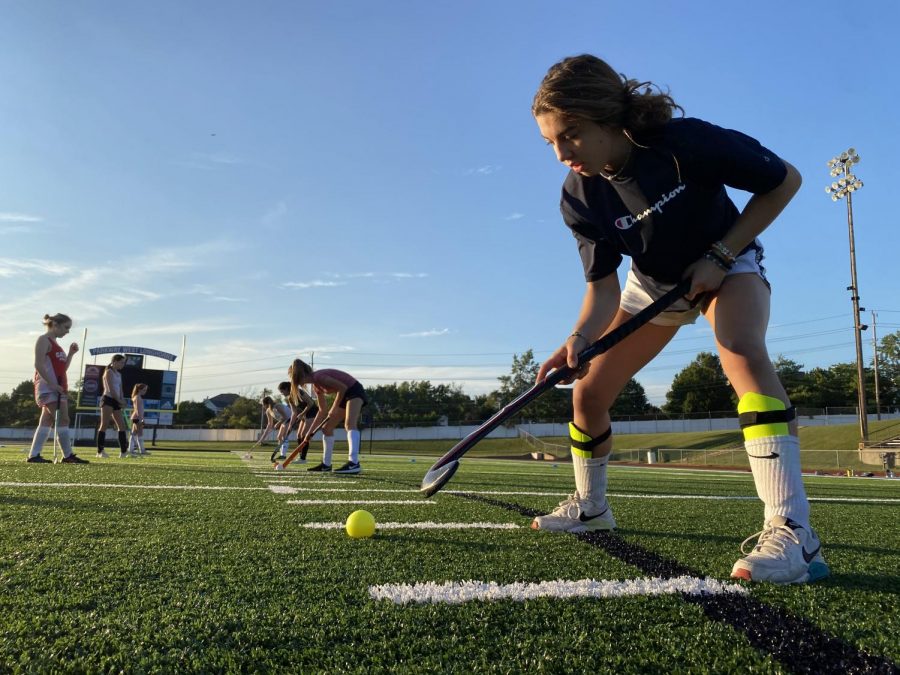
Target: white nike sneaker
576, 515
785, 553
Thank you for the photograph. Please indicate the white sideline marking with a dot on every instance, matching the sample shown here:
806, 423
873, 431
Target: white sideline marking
722, 498
428, 525
283, 489
136, 487
457, 592
312, 502
317, 482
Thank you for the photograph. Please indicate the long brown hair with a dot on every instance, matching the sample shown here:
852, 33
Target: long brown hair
297, 372
586, 87
136, 390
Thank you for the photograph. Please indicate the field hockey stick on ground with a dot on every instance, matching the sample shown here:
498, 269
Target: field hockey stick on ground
442, 470
301, 447
56, 429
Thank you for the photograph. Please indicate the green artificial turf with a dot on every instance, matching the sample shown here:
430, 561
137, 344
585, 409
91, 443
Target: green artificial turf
118, 567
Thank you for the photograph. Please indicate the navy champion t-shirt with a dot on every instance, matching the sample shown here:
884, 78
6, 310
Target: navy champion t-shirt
670, 204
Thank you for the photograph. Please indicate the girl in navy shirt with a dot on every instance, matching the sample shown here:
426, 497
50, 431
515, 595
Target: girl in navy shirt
650, 187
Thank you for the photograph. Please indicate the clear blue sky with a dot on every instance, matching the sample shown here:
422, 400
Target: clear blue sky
364, 180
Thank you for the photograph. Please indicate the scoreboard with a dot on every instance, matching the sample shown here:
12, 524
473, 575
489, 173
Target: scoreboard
159, 401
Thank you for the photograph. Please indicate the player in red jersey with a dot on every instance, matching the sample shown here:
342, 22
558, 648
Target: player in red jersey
51, 389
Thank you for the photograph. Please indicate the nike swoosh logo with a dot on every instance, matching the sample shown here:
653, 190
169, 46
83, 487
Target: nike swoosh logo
583, 517
772, 456
812, 554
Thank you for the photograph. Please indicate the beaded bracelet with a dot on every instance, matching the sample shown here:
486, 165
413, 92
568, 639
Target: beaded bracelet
721, 264
723, 252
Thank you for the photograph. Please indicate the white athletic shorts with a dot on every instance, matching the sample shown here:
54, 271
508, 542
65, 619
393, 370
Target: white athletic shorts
640, 290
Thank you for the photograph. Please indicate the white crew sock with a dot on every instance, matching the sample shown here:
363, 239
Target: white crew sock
353, 442
590, 478
328, 446
775, 462
41, 434
65, 440
284, 448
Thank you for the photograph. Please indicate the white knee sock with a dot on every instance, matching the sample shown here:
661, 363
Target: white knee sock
353, 442
327, 446
37, 443
775, 462
140, 443
65, 440
590, 477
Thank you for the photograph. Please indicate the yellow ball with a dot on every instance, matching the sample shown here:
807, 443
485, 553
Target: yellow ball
360, 524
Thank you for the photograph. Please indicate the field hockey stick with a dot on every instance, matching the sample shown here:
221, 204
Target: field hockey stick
56, 429
442, 470
302, 446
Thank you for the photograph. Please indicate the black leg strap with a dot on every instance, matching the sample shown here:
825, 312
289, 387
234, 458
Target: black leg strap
590, 444
749, 419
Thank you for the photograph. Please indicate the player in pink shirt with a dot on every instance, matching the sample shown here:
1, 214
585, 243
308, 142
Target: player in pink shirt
51, 389
349, 399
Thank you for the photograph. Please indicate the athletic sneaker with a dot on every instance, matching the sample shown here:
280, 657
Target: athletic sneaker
74, 459
37, 459
785, 553
576, 515
144, 453
320, 467
349, 467
102, 455
123, 455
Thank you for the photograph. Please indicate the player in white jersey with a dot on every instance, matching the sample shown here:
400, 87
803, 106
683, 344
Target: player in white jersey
278, 417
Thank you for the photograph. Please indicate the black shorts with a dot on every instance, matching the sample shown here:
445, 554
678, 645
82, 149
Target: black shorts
311, 412
356, 391
110, 402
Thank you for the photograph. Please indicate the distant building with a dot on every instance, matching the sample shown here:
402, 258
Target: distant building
219, 402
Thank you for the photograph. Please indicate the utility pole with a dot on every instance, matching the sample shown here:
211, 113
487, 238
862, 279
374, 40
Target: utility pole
841, 168
875, 364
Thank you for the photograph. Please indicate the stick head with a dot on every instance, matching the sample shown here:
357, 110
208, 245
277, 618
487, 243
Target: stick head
437, 477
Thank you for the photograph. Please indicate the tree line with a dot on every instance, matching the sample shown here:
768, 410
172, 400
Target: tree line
699, 388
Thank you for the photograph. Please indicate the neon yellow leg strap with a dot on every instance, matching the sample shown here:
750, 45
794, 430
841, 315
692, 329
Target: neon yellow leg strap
762, 416
582, 445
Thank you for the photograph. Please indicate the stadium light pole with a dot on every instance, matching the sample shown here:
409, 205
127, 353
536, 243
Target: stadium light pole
841, 169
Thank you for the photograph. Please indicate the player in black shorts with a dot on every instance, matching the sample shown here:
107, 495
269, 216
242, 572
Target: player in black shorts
644, 185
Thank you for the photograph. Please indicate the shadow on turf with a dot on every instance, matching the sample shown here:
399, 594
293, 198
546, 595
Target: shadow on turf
876, 583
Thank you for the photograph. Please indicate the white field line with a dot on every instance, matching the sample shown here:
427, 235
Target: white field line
292, 490
282, 478
126, 486
427, 525
315, 502
286, 489
456, 592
